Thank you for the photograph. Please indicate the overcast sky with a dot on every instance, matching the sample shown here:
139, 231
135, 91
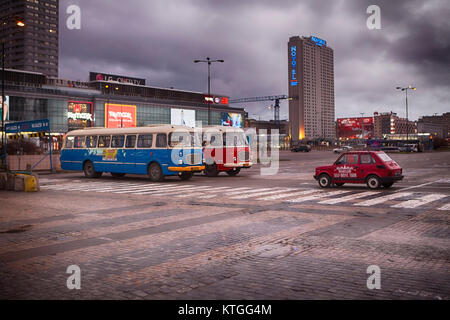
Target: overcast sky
159, 39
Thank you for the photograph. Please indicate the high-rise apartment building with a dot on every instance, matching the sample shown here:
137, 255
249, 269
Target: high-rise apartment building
311, 87
35, 46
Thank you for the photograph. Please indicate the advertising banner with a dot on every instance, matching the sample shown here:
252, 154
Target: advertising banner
355, 128
232, 120
79, 115
96, 76
6, 106
182, 117
120, 115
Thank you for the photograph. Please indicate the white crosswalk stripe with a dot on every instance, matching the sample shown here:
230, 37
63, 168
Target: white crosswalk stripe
348, 198
165, 189
445, 207
209, 196
382, 199
287, 195
316, 196
420, 201
208, 188
258, 193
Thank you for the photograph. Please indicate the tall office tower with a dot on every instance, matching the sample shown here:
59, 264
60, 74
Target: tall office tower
311, 87
35, 46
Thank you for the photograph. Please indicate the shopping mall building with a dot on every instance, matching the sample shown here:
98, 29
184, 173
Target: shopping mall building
108, 101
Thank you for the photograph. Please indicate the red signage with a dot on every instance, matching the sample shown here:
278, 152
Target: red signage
120, 115
355, 128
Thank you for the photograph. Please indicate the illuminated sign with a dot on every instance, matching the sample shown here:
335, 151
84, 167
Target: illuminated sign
217, 100
319, 42
293, 76
79, 115
95, 76
355, 128
232, 120
120, 116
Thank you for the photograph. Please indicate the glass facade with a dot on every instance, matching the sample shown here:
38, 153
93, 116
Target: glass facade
23, 109
56, 110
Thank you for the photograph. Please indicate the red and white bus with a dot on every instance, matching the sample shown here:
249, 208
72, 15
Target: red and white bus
225, 149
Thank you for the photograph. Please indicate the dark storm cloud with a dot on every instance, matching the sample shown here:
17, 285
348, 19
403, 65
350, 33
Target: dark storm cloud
158, 40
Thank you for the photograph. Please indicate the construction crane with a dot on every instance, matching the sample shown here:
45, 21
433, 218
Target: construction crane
276, 106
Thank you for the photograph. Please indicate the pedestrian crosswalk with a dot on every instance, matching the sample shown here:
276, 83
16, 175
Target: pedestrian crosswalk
402, 199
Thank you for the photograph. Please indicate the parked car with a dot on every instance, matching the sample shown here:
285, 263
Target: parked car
375, 168
301, 147
342, 149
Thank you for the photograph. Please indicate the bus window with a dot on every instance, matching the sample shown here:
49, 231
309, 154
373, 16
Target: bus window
179, 139
117, 141
69, 142
91, 141
103, 141
80, 142
161, 140
145, 141
130, 142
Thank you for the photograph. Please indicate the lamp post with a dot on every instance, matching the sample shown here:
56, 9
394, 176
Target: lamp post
406, 96
209, 62
19, 23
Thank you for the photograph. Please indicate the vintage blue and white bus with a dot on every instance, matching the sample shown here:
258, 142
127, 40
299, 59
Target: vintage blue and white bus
157, 150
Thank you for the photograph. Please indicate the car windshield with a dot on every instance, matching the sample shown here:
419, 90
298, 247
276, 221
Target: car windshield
384, 157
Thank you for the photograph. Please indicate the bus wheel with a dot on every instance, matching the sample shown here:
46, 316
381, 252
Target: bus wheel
211, 170
117, 174
186, 175
89, 172
155, 173
233, 171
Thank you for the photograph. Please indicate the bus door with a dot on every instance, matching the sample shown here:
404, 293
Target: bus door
143, 152
129, 153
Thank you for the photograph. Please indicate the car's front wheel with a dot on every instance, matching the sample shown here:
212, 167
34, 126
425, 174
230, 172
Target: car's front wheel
324, 180
373, 182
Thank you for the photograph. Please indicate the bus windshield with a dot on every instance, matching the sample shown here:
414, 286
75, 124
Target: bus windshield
234, 139
180, 139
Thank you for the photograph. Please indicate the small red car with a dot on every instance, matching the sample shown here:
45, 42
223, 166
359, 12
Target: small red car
375, 168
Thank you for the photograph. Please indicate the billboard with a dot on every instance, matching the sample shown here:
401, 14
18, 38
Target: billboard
96, 76
79, 115
120, 115
182, 117
355, 128
6, 106
232, 120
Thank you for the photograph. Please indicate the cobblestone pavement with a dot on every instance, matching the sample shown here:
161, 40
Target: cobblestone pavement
244, 237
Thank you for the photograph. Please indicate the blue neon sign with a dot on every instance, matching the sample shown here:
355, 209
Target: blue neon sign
293, 76
318, 41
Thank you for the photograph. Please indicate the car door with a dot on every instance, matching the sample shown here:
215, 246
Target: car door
367, 165
345, 168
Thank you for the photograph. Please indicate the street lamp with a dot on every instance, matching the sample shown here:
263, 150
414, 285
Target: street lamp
406, 95
209, 61
19, 23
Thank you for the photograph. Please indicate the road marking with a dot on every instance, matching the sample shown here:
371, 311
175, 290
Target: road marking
418, 186
214, 195
316, 196
287, 195
419, 202
378, 200
347, 198
212, 189
258, 194
445, 207
167, 189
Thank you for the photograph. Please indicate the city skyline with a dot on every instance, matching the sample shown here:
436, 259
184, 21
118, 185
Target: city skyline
156, 42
